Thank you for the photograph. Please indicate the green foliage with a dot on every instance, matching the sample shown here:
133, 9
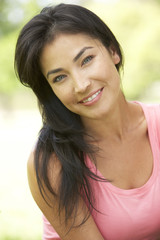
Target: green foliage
141, 49
8, 80
11, 13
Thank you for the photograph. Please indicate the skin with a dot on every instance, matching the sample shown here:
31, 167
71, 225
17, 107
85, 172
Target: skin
77, 67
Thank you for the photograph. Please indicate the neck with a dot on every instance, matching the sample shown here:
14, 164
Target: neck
117, 124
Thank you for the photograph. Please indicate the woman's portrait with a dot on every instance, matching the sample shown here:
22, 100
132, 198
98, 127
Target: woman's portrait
94, 169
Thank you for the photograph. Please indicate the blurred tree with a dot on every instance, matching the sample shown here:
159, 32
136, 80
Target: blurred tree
157, 1
11, 13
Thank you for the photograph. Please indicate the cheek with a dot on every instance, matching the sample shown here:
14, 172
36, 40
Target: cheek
104, 66
64, 94
111, 77
105, 72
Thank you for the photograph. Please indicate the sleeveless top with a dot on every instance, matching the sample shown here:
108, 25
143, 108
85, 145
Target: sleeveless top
132, 214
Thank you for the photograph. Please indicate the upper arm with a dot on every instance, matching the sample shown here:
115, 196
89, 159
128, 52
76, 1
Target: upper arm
87, 231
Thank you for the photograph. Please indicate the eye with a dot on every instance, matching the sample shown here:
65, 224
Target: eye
59, 78
86, 60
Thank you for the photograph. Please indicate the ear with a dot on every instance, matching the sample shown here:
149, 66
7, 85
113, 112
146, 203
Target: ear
114, 55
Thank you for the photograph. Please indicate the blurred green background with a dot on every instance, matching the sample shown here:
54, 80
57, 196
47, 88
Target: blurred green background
136, 24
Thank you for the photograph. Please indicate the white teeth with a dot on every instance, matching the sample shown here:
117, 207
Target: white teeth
92, 97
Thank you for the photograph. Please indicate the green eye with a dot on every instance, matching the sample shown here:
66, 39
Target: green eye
59, 78
86, 60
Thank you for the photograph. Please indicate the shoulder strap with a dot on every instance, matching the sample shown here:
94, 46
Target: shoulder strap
152, 111
157, 120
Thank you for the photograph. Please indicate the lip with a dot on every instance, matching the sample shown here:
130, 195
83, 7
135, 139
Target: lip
90, 95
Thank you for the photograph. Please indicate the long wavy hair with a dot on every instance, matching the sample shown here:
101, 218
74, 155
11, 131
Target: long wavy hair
62, 132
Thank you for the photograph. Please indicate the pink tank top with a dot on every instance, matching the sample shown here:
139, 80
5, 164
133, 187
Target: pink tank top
132, 214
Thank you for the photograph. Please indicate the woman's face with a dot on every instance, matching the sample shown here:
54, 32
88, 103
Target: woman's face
82, 74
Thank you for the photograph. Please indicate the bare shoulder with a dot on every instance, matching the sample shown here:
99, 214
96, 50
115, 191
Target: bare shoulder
53, 172
87, 231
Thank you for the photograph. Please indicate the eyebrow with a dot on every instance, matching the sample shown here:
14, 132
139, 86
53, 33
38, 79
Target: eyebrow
74, 60
80, 53
54, 71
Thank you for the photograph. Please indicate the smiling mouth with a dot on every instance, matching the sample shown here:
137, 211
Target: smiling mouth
92, 97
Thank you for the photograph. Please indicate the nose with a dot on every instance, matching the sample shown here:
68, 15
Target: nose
81, 83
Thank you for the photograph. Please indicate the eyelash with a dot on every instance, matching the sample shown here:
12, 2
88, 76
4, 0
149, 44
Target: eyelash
87, 58
56, 79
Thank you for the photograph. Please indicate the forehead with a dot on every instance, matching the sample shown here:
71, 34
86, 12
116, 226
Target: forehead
66, 41
72, 40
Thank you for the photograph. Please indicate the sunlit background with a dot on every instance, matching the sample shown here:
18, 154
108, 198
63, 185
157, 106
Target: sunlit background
136, 24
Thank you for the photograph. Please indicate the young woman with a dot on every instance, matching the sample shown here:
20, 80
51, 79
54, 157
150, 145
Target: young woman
95, 169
